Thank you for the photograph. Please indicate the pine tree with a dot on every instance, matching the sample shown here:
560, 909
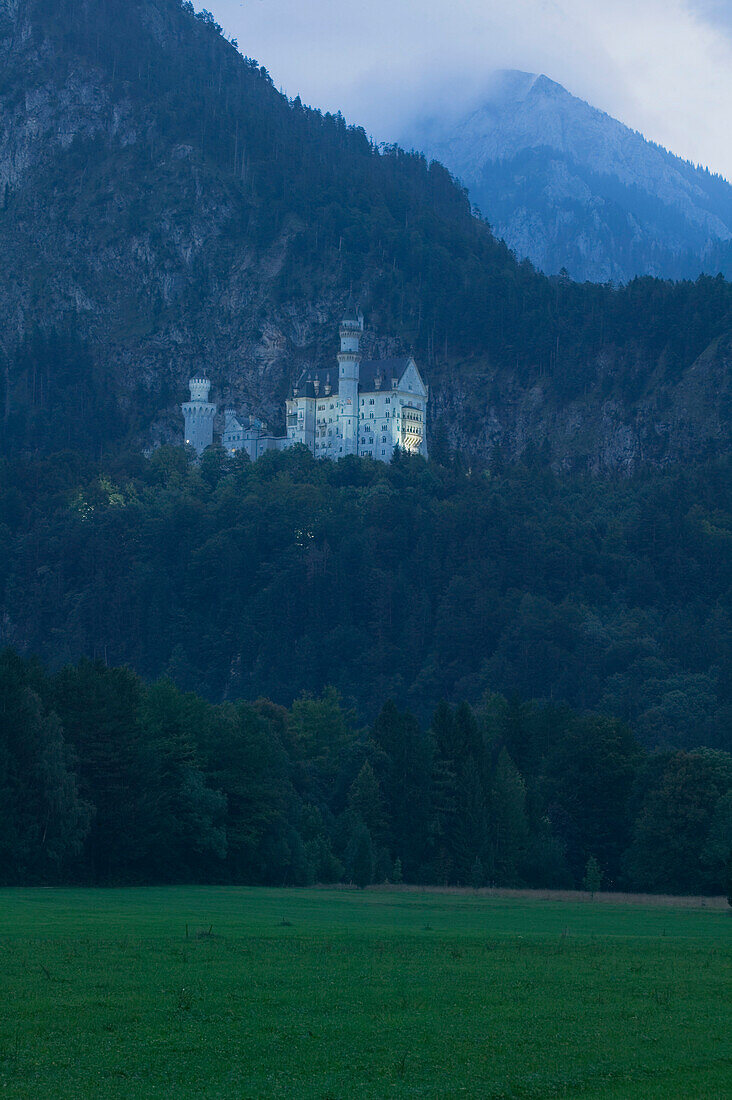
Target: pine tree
360, 855
43, 821
365, 801
459, 789
100, 711
402, 765
592, 881
509, 822
477, 874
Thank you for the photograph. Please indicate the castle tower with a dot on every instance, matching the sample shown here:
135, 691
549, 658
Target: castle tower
349, 361
199, 415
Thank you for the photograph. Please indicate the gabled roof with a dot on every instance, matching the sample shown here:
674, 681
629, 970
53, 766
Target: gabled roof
324, 375
387, 370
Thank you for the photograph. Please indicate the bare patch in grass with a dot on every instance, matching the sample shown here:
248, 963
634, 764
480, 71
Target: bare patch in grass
574, 896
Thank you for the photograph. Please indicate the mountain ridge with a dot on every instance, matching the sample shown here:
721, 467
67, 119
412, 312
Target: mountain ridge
164, 210
532, 154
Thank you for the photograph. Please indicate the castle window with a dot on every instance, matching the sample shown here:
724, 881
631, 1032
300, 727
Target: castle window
371, 401
388, 401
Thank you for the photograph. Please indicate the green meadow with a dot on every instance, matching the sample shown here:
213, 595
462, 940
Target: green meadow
232, 992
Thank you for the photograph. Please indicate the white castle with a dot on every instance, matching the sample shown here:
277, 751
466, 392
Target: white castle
365, 407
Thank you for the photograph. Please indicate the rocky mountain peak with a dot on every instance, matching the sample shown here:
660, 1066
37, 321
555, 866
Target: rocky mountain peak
571, 187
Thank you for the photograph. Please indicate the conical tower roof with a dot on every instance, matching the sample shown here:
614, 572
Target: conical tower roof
350, 314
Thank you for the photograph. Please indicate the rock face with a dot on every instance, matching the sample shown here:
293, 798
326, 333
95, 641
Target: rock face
570, 187
165, 212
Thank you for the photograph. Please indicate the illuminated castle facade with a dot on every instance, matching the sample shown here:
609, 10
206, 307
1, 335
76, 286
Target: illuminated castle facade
362, 407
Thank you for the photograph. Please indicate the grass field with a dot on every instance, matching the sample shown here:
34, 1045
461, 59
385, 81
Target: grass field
327, 993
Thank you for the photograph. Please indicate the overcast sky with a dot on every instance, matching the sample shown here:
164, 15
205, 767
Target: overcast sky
663, 67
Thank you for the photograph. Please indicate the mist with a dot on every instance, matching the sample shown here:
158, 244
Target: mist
663, 67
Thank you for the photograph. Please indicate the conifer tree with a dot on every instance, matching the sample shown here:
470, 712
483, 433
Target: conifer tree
100, 712
509, 822
43, 821
360, 854
403, 767
593, 876
366, 803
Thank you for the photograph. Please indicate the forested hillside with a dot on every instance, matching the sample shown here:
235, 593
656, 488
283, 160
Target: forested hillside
107, 780
412, 581
165, 211
539, 659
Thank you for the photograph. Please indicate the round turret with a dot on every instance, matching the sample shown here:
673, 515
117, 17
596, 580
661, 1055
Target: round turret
352, 320
350, 330
349, 359
200, 388
199, 415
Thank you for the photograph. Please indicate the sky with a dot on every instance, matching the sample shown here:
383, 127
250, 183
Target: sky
663, 67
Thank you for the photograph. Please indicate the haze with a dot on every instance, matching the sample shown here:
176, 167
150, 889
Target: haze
663, 67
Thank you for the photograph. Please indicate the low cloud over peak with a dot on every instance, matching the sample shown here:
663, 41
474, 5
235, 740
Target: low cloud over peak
663, 67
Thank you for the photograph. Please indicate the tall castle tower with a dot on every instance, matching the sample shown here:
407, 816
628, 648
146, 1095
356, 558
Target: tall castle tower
349, 362
199, 415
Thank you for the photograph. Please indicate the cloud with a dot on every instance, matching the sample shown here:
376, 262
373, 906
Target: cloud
661, 66
717, 12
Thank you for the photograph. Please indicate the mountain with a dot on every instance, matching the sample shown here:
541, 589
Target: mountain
165, 211
570, 187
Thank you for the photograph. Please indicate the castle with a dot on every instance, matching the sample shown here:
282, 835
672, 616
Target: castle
365, 407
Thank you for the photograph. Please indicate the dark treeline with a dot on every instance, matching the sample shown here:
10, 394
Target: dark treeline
105, 779
414, 582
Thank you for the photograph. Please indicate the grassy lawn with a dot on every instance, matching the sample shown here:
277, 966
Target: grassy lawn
319, 993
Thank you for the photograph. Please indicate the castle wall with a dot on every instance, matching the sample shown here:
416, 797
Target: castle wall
386, 419
330, 424
199, 422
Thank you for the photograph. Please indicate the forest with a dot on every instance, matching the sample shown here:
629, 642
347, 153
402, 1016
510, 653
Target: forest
415, 581
105, 779
464, 672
